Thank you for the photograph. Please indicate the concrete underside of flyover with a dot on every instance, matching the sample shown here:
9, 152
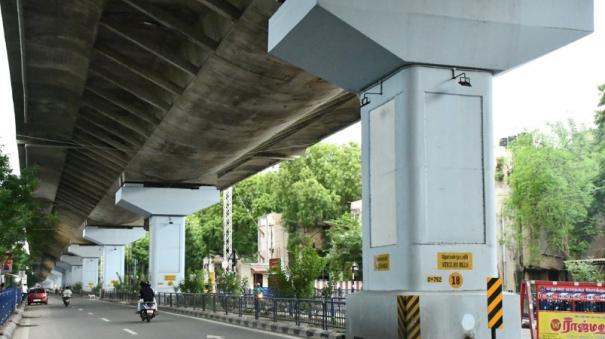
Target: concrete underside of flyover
179, 91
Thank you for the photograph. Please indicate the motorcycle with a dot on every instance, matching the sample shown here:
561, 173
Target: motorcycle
66, 301
148, 310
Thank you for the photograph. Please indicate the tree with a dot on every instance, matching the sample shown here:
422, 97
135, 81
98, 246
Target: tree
195, 247
21, 218
16, 205
193, 282
308, 203
228, 283
597, 212
305, 265
320, 185
252, 198
551, 189
583, 271
137, 261
346, 247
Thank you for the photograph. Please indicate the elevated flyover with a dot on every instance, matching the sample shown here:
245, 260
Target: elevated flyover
163, 91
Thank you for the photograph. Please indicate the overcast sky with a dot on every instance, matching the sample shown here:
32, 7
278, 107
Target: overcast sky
559, 86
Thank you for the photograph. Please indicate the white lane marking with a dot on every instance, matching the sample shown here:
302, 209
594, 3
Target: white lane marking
79, 309
266, 333
90, 313
25, 332
105, 320
209, 336
130, 331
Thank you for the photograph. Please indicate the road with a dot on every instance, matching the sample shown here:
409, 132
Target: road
88, 319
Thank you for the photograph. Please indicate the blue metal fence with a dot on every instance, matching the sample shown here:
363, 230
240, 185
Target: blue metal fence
9, 299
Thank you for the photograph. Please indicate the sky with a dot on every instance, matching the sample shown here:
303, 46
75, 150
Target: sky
557, 87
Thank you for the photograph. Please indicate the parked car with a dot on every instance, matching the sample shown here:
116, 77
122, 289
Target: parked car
37, 295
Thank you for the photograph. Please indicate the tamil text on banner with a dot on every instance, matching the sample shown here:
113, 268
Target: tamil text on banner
571, 325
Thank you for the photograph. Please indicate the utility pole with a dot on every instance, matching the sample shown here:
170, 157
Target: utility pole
227, 226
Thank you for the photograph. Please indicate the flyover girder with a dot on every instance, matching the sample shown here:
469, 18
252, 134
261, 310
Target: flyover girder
150, 46
147, 95
76, 163
111, 126
125, 62
107, 109
223, 8
86, 127
84, 179
138, 109
174, 23
92, 145
85, 187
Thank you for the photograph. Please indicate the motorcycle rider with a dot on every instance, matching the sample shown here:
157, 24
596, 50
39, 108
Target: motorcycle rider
146, 294
66, 293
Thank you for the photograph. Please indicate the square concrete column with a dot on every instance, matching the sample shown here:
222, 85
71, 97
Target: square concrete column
113, 265
65, 269
90, 264
113, 239
74, 272
90, 273
56, 277
423, 72
166, 208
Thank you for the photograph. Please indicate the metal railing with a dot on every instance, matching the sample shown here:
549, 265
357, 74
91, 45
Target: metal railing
9, 299
319, 293
322, 313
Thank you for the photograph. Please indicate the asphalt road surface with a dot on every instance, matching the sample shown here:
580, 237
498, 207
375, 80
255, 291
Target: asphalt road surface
88, 319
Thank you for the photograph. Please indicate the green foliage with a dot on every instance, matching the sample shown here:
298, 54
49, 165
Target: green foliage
207, 227
304, 266
228, 283
597, 212
17, 208
77, 287
600, 117
137, 261
97, 289
500, 169
21, 219
346, 247
252, 198
308, 203
552, 189
320, 185
128, 285
583, 271
193, 282
195, 246
328, 290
